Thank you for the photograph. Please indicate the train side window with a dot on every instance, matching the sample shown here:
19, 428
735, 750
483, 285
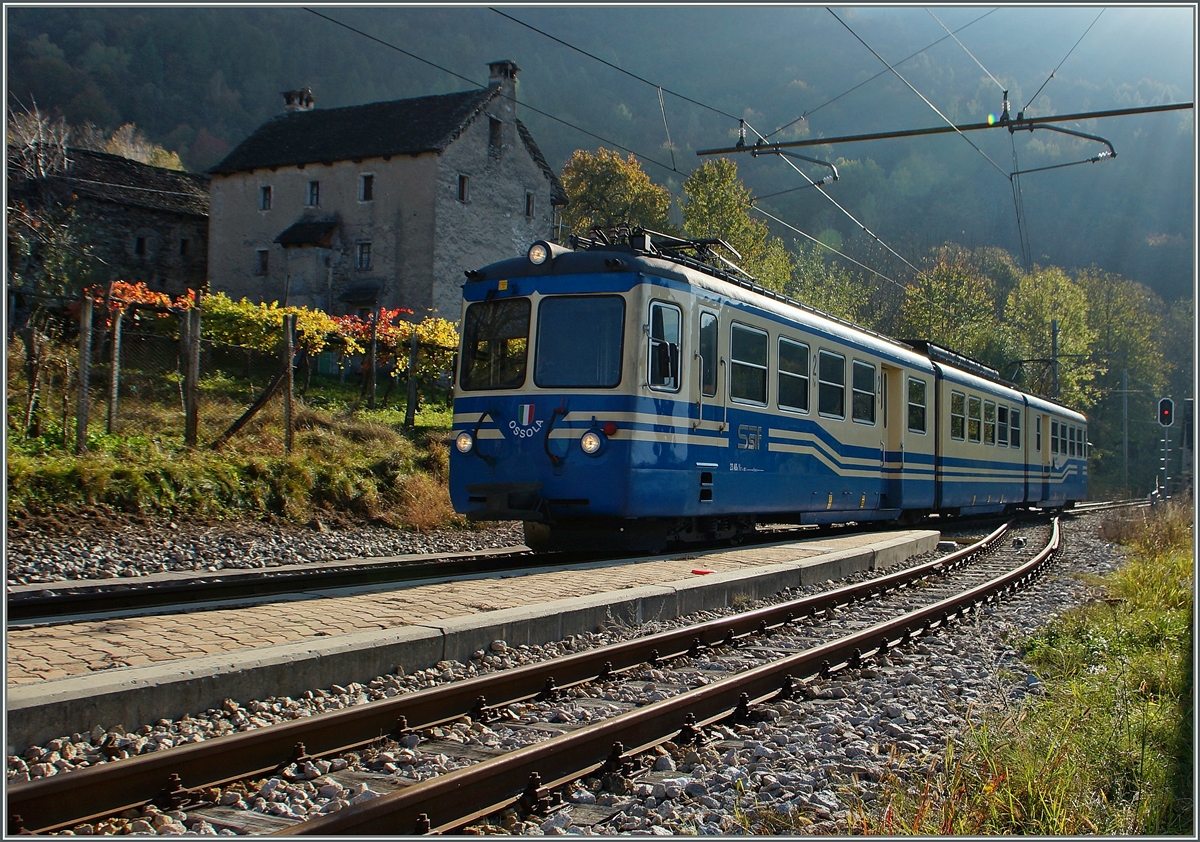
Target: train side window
958, 416
664, 346
1014, 430
1071, 439
1053, 436
974, 421
793, 375
863, 395
748, 369
916, 405
708, 354
989, 422
1037, 426
831, 384
1002, 426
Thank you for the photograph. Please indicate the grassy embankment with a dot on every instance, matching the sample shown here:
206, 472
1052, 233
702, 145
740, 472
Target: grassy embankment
1108, 749
347, 461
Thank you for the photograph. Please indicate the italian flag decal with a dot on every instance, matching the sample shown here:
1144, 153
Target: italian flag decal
525, 412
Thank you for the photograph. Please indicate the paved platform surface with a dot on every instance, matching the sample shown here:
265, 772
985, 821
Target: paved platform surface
66, 678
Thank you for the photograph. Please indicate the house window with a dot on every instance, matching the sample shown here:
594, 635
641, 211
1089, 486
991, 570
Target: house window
363, 257
183, 248
529, 205
464, 188
139, 246
264, 197
366, 188
495, 136
261, 261
314, 193
863, 396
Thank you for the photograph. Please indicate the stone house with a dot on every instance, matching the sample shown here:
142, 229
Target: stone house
142, 223
380, 205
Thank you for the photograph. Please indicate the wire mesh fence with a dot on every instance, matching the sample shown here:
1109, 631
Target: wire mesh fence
78, 371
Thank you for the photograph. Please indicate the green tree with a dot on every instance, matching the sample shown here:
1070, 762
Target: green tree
824, 285
1040, 298
719, 205
606, 190
949, 304
1127, 320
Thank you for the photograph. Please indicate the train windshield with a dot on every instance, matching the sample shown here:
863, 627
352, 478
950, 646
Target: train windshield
495, 347
579, 342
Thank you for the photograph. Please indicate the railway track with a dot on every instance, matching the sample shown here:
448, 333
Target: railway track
71, 601
717, 671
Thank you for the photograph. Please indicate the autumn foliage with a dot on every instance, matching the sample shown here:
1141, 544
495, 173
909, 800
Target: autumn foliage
259, 326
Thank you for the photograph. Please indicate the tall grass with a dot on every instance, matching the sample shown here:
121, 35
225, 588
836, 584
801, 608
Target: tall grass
1108, 749
347, 461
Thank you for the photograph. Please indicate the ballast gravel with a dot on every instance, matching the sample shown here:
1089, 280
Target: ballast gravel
100, 551
803, 768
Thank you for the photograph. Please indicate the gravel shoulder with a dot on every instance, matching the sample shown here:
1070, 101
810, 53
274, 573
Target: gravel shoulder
99, 546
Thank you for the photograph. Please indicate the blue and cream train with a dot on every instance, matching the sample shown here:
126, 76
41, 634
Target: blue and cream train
627, 388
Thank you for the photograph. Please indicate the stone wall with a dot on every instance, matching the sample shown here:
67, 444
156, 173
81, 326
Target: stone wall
166, 263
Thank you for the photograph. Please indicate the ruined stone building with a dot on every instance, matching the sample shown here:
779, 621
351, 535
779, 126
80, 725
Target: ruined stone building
386, 204
139, 222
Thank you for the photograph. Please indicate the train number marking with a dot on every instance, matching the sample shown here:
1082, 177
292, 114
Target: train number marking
749, 437
522, 431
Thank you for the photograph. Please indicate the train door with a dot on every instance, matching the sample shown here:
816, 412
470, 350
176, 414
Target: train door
1044, 460
892, 443
709, 408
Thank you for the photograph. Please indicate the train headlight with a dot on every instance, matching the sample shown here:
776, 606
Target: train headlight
538, 252
591, 442
464, 442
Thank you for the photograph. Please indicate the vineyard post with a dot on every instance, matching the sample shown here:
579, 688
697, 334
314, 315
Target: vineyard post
289, 329
371, 361
192, 378
410, 412
114, 382
85, 355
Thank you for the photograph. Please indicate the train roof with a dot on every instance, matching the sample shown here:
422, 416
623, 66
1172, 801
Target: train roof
692, 261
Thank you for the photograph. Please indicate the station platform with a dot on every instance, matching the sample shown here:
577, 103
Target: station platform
68, 678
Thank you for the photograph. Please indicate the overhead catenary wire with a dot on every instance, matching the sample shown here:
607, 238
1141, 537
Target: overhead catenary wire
639, 155
470, 81
965, 50
742, 122
1061, 63
804, 116
918, 93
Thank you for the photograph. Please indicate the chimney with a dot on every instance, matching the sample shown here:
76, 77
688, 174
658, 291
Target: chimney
301, 100
504, 75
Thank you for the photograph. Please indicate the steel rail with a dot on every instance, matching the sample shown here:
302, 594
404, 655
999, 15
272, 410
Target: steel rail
107, 595
446, 803
60, 801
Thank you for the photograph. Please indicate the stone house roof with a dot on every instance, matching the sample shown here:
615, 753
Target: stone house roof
110, 178
375, 130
